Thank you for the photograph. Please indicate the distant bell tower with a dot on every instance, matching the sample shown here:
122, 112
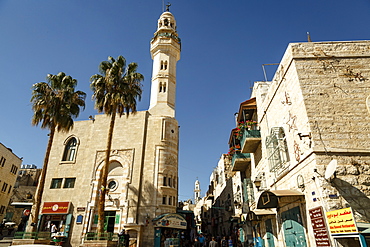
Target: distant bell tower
196, 191
165, 50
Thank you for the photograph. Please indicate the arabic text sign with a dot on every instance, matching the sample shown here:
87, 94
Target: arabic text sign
319, 227
341, 221
55, 208
172, 221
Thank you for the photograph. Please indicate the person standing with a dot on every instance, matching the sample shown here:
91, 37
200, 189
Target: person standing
202, 239
121, 239
230, 242
213, 243
197, 243
224, 242
127, 239
53, 229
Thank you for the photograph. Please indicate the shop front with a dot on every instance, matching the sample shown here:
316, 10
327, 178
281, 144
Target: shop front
345, 230
56, 213
168, 229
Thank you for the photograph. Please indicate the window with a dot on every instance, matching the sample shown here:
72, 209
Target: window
5, 185
2, 161
162, 87
2, 209
56, 183
70, 150
170, 200
164, 199
164, 181
14, 169
69, 183
164, 65
169, 182
10, 188
112, 185
277, 150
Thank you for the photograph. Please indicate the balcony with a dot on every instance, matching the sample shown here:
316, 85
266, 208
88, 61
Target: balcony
240, 161
250, 141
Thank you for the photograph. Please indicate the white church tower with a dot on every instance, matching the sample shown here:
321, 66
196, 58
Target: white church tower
165, 50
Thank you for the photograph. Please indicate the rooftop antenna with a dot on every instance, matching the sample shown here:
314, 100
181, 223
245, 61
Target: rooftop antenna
263, 68
309, 37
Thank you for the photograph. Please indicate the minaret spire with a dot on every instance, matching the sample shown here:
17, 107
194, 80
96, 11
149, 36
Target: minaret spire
168, 7
196, 191
165, 50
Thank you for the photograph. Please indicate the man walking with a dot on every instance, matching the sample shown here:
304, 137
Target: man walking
213, 243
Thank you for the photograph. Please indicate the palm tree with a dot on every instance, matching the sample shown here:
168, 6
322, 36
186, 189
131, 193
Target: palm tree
55, 103
115, 89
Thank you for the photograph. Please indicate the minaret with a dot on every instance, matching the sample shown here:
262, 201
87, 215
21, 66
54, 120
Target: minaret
196, 191
165, 50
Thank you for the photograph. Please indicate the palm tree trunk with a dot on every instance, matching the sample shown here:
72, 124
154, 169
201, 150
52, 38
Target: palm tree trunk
40, 187
104, 176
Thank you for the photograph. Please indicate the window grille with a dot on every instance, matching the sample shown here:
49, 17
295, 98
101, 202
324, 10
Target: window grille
277, 150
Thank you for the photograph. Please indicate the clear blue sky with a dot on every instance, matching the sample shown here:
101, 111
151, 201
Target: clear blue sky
224, 44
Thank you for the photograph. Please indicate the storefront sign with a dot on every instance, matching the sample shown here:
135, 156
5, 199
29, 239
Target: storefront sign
171, 221
55, 208
341, 221
320, 230
81, 209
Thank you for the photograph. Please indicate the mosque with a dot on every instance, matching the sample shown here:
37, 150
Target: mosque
143, 169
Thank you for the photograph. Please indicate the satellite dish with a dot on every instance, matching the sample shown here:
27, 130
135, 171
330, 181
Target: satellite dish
330, 169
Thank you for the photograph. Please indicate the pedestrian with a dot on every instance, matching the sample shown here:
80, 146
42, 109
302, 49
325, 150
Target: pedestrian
230, 241
213, 243
2, 226
202, 239
197, 243
127, 239
121, 239
224, 242
53, 229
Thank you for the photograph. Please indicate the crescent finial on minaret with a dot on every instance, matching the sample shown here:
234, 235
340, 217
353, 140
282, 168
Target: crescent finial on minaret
168, 7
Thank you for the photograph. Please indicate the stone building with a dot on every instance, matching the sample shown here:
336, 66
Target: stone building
311, 164
23, 194
143, 169
9, 165
302, 151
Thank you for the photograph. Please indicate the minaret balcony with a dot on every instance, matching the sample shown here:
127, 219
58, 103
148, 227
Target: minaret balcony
240, 161
250, 140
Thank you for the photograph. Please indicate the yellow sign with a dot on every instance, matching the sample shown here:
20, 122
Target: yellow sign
341, 221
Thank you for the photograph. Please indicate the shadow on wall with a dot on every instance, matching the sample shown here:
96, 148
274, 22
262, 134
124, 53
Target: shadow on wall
356, 199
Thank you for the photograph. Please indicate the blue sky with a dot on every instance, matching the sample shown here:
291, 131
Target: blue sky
224, 44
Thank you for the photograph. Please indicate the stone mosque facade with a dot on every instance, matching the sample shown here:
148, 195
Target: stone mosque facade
143, 169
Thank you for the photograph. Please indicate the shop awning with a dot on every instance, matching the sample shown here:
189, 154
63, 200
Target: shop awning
258, 213
22, 204
275, 198
363, 227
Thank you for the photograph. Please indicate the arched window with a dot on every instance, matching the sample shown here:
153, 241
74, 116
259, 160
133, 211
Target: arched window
70, 150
